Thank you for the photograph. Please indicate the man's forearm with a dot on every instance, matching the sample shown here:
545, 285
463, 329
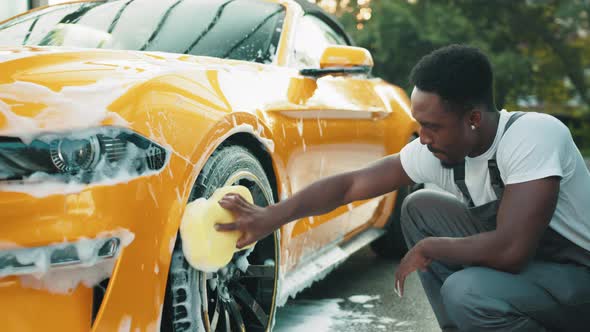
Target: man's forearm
318, 198
484, 249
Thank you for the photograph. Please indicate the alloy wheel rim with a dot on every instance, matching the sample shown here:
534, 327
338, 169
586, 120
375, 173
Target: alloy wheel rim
232, 296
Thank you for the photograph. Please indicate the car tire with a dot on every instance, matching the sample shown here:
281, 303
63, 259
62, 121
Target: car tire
243, 298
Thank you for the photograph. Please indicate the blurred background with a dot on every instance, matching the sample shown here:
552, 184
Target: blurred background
540, 49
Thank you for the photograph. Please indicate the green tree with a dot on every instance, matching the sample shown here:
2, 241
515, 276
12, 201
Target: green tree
538, 47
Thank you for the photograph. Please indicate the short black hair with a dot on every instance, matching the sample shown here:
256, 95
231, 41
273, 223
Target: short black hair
461, 75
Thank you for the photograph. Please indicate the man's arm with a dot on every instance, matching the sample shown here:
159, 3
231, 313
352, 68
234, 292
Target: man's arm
325, 195
525, 212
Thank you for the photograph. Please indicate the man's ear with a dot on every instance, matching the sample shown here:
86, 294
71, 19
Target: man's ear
475, 118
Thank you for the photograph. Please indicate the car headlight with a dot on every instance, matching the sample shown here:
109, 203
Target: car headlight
86, 156
74, 155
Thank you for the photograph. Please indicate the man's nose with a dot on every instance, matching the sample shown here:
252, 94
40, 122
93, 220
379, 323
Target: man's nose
425, 139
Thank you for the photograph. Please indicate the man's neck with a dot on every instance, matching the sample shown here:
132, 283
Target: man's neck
487, 133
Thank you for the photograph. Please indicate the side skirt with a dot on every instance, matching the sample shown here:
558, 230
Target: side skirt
319, 266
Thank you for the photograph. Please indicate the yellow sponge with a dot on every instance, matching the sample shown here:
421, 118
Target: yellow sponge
204, 248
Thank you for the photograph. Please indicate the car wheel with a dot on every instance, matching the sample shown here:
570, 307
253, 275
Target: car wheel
242, 295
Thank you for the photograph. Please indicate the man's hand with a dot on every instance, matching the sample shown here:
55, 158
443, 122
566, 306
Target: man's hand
253, 221
412, 261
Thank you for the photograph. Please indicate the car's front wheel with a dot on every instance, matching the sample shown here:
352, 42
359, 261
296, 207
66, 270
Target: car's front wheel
242, 295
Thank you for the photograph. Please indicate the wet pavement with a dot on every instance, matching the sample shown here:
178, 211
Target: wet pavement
358, 296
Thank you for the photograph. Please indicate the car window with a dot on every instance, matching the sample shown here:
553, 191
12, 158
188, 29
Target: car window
137, 23
104, 17
245, 30
312, 37
46, 23
26, 28
236, 29
16, 33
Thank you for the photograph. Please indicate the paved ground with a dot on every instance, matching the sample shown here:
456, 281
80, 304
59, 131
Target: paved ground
358, 296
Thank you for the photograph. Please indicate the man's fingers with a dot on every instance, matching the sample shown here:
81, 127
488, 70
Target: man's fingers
396, 283
234, 202
241, 200
230, 204
400, 278
400, 287
243, 241
227, 227
396, 288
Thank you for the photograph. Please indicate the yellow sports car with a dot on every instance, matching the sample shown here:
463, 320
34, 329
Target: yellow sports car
114, 115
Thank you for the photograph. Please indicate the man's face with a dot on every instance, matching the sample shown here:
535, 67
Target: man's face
445, 133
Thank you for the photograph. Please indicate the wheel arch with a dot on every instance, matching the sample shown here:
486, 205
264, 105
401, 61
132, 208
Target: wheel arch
260, 152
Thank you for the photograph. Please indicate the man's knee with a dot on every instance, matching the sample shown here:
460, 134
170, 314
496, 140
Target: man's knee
469, 304
461, 298
415, 204
456, 289
419, 211
411, 216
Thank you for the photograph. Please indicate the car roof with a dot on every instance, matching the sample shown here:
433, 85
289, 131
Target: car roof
315, 10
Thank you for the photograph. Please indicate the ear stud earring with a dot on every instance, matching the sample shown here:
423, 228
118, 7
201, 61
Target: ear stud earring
472, 127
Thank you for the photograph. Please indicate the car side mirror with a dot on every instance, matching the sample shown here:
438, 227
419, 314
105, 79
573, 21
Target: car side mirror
343, 60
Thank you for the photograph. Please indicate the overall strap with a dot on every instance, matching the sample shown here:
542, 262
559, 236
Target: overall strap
459, 177
495, 178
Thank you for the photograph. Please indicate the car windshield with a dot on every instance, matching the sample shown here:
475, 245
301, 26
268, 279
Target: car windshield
235, 29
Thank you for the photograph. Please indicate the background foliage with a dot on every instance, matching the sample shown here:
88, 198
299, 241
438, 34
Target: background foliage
540, 49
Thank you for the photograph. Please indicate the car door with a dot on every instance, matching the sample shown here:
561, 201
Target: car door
337, 127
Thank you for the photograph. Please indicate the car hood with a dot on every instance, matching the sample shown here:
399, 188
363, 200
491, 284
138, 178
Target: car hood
56, 88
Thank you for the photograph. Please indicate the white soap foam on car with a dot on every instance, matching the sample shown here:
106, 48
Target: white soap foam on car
64, 280
247, 128
125, 324
41, 184
67, 279
242, 262
61, 105
303, 284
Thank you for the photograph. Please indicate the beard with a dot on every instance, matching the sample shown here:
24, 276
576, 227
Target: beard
447, 164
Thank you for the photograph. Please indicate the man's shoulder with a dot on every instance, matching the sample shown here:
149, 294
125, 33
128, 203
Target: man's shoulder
533, 127
535, 121
537, 145
532, 134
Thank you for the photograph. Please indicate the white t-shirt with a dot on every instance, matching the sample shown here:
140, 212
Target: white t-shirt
536, 146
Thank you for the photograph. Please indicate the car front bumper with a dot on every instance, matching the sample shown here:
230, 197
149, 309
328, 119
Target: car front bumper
55, 249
